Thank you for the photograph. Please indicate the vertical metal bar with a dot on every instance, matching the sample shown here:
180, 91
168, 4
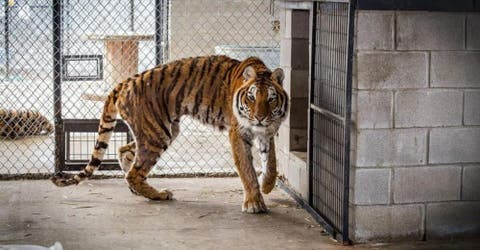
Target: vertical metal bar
348, 110
7, 40
132, 15
57, 86
311, 87
158, 31
166, 38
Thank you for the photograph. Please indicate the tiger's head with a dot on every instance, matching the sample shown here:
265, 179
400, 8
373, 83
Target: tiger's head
261, 103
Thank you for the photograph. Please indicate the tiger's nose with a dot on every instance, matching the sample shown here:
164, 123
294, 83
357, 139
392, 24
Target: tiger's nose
259, 117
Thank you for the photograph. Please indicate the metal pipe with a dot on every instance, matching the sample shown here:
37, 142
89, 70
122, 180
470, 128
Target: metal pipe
7, 40
57, 86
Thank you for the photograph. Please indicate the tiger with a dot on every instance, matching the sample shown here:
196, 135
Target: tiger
15, 124
244, 97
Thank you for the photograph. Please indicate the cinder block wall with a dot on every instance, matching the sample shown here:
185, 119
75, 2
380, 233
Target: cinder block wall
417, 119
294, 60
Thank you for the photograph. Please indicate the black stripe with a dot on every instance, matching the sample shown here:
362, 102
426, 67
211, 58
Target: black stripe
166, 130
141, 84
179, 99
151, 77
175, 75
202, 71
248, 142
94, 162
229, 73
238, 100
208, 114
198, 100
161, 94
101, 144
103, 130
165, 108
220, 115
191, 80
107, 119
176, 72
215, 71
161, 78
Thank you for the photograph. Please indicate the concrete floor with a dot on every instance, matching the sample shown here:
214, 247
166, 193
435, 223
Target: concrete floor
103, 214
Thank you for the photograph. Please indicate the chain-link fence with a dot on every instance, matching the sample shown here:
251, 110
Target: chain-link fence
59, 58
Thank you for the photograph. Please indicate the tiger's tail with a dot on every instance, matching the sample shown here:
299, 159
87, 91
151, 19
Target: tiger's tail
105, 130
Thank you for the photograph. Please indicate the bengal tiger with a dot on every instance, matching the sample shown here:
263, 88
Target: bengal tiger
243, 96
15, 124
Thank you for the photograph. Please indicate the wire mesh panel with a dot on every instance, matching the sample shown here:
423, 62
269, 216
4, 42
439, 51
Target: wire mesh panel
26, 90
330, 113
60, 59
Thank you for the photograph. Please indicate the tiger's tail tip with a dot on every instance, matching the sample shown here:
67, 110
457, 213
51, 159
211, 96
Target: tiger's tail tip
61, 179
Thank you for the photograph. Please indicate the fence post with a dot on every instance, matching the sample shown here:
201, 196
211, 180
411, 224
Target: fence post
158, 31
57, 85
7, 49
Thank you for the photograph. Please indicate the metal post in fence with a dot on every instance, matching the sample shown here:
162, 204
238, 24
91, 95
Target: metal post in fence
57, 85
132, 15
158, 31
7, 33
348, 114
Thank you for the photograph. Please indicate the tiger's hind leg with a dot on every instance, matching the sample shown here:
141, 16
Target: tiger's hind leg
126, 156
146, 157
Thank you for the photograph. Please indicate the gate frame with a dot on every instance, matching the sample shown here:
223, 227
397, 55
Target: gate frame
342, 234
64, 126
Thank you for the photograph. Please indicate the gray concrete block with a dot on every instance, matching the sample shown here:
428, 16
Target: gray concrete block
453, 145
446, 220
374, 223
428, 108
471, 114
297, 174
375, 30
392, 70
473, 34
298, 83
300, 54
374, 109
372, 186
298, 115
391, 147
420, 30
301, 24
298, 139
471, 183
455, 69
304, 182
421, 184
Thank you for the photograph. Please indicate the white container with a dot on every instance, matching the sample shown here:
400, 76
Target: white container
269, 55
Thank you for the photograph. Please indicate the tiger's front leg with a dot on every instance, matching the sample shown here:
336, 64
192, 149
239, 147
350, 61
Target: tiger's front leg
268, 159
242, 156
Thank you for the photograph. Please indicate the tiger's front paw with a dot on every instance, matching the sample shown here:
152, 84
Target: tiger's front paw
255, 205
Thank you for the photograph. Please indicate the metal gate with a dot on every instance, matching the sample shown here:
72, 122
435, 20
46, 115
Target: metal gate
59, 58
329, 116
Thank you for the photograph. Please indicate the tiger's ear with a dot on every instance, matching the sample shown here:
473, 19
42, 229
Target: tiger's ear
249, 73
278, 75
